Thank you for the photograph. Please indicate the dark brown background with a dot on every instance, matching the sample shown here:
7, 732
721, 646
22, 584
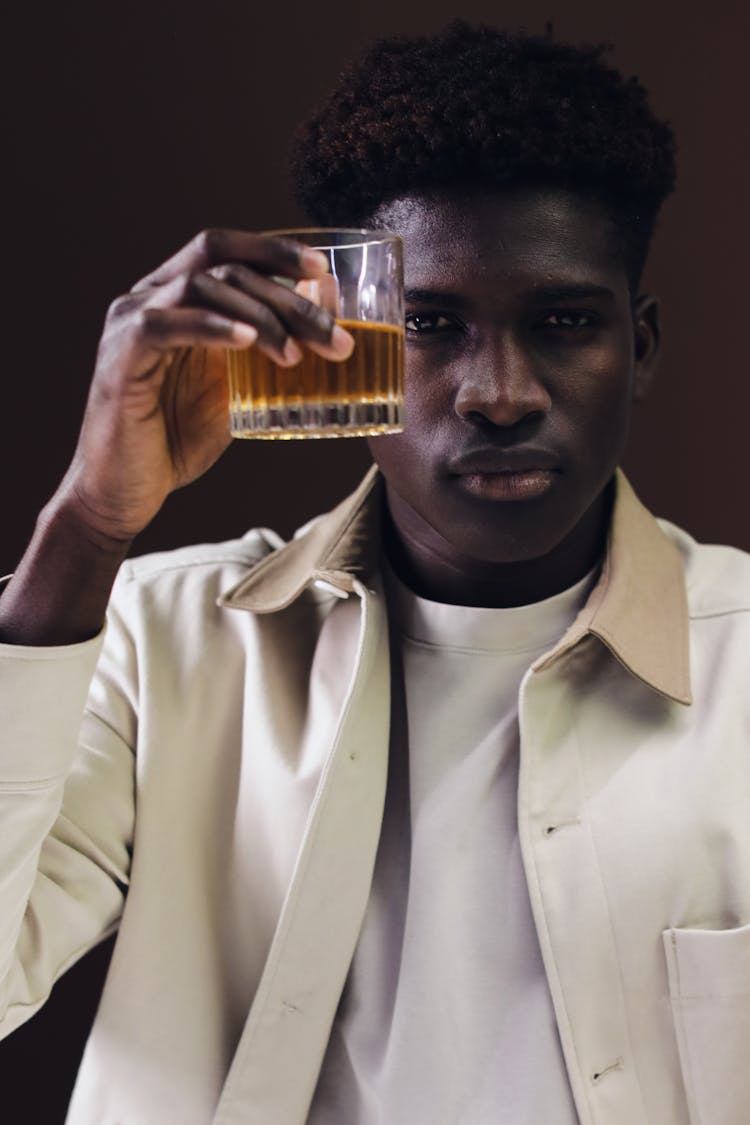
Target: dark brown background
130, 127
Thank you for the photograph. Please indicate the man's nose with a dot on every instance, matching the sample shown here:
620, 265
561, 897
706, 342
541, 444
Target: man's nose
498, 384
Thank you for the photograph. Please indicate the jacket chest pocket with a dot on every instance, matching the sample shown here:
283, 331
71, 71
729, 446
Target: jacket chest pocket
709, 986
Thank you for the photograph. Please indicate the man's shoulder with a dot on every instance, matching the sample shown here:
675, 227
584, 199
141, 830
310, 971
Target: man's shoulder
243, 552
717, 577
191, 575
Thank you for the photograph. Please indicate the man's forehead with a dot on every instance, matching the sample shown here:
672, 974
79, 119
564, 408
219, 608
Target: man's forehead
536, 231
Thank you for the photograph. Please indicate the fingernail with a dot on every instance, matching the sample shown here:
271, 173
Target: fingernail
313, 261
342, 341
292, 353
244, 334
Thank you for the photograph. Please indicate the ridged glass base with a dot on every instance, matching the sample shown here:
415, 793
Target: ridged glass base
317, 420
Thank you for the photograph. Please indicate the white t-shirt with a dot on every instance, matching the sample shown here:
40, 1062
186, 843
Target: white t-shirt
446, 1018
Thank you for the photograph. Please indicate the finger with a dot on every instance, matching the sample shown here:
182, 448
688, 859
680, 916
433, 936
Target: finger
323, 291
304, 319
274, 337
128, 303
203, 291
162, 328
272, 254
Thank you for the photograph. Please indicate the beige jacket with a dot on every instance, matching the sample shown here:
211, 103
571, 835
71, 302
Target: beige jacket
220, 802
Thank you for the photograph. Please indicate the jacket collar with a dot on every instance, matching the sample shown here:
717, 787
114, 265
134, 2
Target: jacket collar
338, 547
638, 608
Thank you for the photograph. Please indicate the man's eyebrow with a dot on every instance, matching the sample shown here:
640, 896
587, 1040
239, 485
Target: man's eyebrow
539, 295
434, 297
573, 291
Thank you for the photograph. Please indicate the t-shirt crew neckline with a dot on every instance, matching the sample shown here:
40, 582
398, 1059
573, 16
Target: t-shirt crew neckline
523, 628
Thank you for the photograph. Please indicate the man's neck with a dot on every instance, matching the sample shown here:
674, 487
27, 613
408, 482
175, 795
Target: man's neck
434, 570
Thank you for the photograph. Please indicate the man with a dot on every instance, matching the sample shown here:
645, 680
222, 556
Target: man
439, 812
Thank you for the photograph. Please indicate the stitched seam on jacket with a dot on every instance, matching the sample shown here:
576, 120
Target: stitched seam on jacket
298, 877
131, 573
687, 1062
33, 785
613, 931
709, 613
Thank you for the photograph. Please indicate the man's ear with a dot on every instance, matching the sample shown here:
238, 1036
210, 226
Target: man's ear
647, 341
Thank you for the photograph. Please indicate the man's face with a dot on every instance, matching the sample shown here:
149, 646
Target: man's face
523, 356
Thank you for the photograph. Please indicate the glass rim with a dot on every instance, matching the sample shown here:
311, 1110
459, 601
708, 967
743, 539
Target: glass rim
372, 236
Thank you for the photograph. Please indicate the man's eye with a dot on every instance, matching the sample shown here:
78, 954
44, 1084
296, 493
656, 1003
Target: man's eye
420, 323
568, 318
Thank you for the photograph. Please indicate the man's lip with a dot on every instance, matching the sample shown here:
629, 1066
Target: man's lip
525, 484
493, 461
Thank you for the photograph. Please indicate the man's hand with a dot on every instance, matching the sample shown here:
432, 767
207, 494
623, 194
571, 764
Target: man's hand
157, 414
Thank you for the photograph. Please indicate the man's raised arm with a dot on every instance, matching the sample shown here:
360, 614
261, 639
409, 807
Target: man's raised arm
156, 417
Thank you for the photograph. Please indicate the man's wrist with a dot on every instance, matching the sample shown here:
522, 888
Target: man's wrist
64, 517
60, 591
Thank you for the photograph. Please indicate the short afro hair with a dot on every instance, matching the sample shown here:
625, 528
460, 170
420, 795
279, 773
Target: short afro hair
481, 107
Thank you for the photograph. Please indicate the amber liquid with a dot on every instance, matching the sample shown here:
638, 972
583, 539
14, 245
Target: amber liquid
319, 397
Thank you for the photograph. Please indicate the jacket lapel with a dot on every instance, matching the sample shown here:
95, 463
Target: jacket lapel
276, 1064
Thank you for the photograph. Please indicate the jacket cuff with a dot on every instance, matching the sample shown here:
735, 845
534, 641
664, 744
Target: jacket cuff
43, 692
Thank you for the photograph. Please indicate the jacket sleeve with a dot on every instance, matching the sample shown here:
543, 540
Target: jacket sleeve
66, 811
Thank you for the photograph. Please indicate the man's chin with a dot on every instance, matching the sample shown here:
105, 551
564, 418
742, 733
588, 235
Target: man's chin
500, 533
482, 548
